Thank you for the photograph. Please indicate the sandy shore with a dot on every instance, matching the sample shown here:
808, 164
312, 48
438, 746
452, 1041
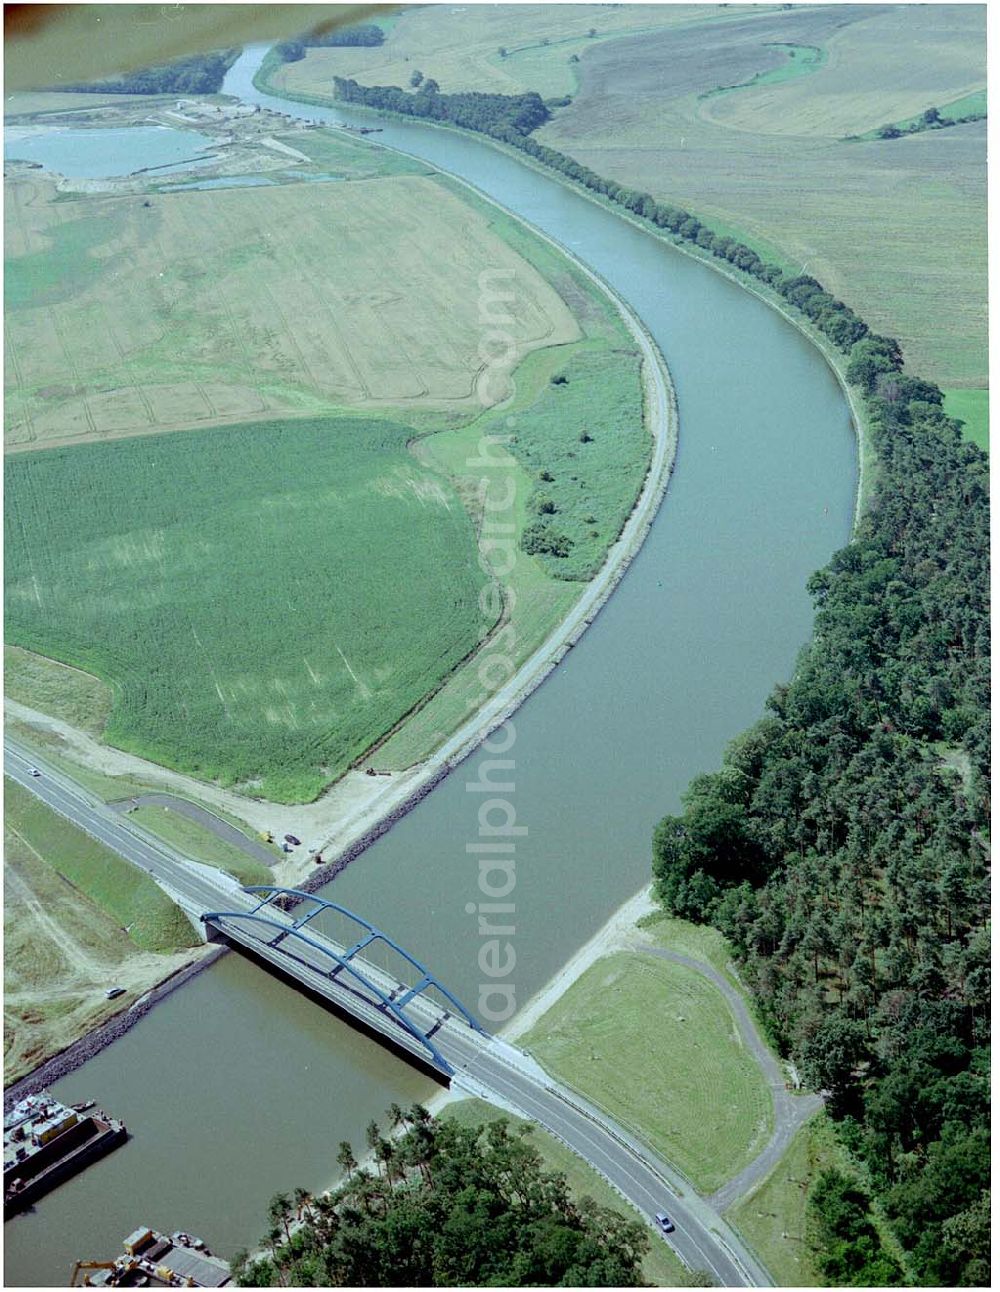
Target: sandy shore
616, 934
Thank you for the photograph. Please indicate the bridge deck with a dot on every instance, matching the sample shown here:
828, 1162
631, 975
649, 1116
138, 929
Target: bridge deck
317, 968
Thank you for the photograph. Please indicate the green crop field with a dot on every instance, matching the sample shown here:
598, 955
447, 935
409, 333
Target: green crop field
121, 890
274, 674
656, 1045
973, 408
266, 600
78, 698
660, 1267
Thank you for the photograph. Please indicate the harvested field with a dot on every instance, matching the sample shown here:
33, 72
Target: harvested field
131, 316
768, 164
459, 46
62, 951
867, 79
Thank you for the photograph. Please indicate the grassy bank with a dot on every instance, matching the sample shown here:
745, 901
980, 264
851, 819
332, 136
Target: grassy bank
119, 889
200, 844
656, 1045
589, 387
65, 902
660, 1267
774, 1216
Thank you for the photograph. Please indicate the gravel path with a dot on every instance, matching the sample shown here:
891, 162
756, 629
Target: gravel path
791, 1111
259, 851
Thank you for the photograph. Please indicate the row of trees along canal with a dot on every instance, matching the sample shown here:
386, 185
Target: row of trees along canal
841, 847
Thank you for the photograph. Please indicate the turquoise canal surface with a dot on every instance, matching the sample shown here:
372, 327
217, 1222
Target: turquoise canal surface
101, 153
237, 1086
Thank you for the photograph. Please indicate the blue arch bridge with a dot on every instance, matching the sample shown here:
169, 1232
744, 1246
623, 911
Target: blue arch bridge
366, 973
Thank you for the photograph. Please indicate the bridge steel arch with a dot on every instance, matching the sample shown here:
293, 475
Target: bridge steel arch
344, 960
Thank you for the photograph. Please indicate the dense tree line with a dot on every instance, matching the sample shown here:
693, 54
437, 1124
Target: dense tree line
445, 1206
502, 116
364, 34
512, 118
840, 847
198, 74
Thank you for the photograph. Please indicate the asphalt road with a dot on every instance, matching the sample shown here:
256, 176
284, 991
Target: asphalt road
193, 886
484, 1065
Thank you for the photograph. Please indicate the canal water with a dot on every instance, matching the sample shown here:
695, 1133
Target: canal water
99, 153
237, 1087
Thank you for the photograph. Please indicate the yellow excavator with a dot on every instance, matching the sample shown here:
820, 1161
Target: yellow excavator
88, 1265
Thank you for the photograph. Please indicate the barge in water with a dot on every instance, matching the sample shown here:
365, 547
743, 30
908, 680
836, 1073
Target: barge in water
152, 1259
45, 1142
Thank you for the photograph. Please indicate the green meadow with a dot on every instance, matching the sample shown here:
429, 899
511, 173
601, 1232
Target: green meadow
973, 408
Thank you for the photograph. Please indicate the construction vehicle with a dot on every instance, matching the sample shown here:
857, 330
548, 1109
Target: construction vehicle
267, 836
88, 1265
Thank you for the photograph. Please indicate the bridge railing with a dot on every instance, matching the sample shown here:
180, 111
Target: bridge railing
352, 961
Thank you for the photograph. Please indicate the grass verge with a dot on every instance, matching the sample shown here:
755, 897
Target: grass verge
774, 1217
699, 941
121, 890
80, 699
200, 844
660, 1267
656, 1045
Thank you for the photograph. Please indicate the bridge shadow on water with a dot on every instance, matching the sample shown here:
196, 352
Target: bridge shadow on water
290, 978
